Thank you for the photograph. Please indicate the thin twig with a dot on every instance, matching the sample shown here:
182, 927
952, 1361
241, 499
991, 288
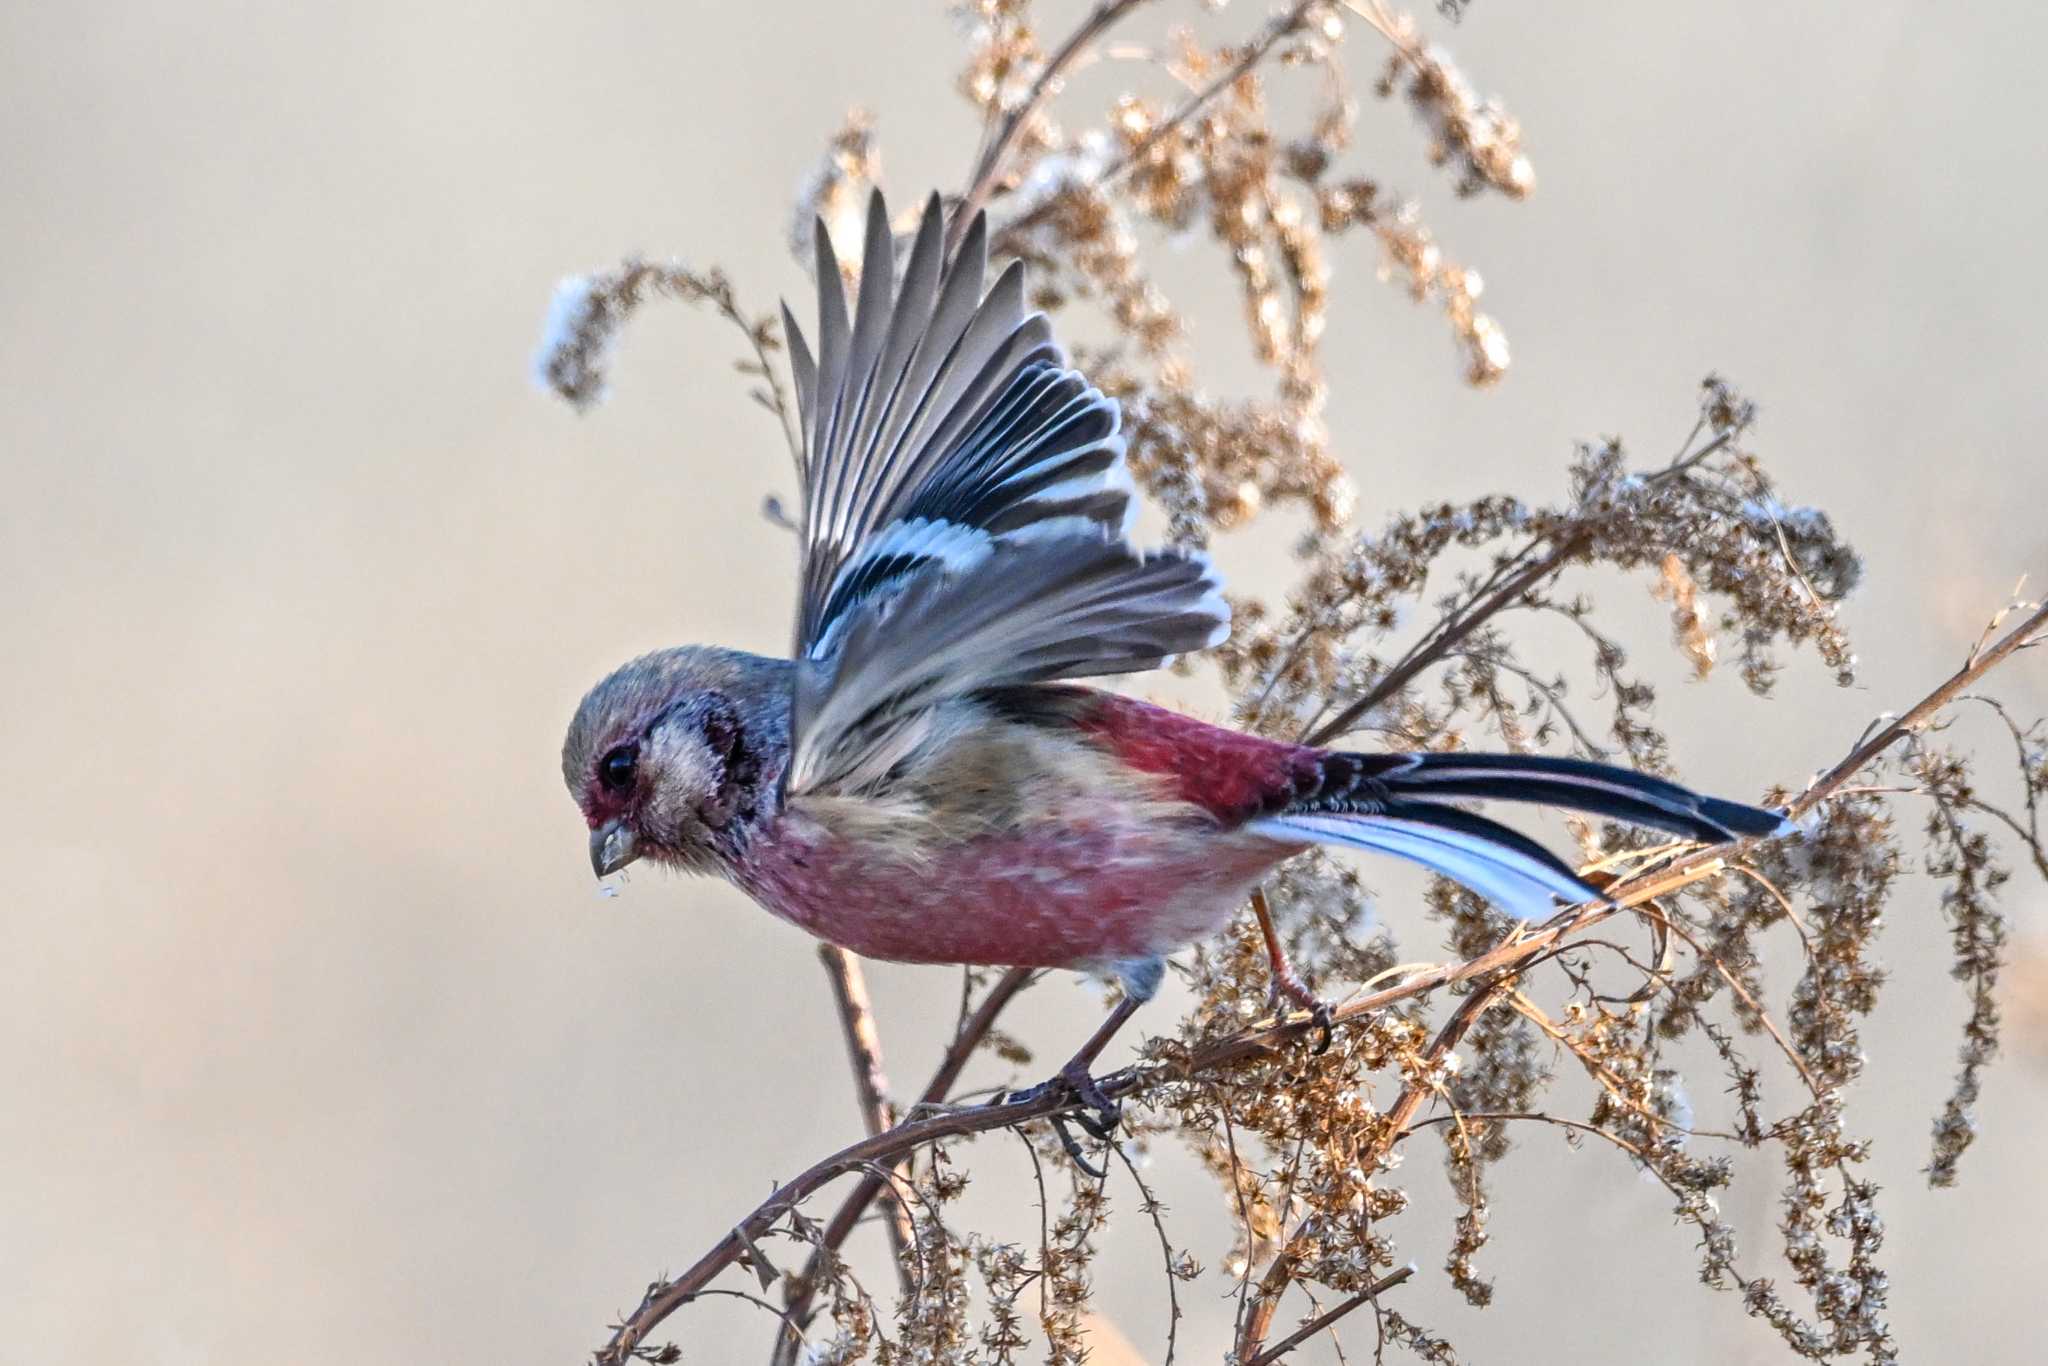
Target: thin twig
989, 168
1436, 648
804, 1288
1602, 1075
1721, 969
1457, 628
864, 1052
1237, 1185
1570, 1126
1980, 662
1322, 1321
1255, 52
1156, 1210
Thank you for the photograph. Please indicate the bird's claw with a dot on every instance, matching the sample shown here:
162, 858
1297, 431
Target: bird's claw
1098, 1116
1073, 1146
1322, 1018
1102, 1114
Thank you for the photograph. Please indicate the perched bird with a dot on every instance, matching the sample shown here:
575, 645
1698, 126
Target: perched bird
916, 783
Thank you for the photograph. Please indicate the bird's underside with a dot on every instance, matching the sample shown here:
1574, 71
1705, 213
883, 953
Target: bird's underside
1096, 891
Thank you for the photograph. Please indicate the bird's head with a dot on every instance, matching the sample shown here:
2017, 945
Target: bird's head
676, 755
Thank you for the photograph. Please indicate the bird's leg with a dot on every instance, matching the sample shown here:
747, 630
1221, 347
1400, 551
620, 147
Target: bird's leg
1075, 1075
1284, 982
1100, 1115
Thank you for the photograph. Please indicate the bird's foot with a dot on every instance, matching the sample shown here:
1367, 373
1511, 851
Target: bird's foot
1101, 1115
1285, 985
1286, 990
1098, 1115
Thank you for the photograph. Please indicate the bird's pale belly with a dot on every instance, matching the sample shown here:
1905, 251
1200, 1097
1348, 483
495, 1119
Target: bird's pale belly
1095, 894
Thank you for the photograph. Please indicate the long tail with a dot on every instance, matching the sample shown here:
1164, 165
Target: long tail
1400, 804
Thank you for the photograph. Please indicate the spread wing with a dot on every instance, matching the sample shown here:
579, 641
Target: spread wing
966, 510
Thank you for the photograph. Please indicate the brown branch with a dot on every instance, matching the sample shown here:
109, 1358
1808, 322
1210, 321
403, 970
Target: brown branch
863, 1042
950, 1067
1280, 1272
1980, 662
1322, 1321
803, 1288
1454, 630
864, 1052
990, 167
663, 1298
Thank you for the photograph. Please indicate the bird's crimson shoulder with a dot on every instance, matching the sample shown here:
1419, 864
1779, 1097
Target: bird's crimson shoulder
1233, 776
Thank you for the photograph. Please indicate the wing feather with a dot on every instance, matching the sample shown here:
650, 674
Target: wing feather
833, 336
966, 507
804, 371
1026, 612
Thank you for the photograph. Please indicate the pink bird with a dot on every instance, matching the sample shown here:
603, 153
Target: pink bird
916, 784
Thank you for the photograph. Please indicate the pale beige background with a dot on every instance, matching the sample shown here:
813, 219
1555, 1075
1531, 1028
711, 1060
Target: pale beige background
316, 1043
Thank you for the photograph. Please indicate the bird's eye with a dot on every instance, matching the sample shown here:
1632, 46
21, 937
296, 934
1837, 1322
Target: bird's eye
615, 770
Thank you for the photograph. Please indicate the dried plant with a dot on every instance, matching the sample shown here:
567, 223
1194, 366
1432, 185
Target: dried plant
1757, 960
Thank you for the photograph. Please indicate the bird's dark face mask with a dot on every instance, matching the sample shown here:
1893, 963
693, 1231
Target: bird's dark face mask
677, 791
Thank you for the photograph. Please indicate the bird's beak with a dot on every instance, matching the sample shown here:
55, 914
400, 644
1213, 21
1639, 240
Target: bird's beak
612, 847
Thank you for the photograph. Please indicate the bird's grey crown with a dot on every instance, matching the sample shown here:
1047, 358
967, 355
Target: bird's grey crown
632, 696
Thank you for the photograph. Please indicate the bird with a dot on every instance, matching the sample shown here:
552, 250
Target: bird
923, 779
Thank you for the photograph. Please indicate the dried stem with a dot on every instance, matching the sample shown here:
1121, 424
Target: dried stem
1455, 629
803, 1289
1279, 27
1325, 1320
1980, 662
1254, 52
864, 1052
988, 170
1258, 1320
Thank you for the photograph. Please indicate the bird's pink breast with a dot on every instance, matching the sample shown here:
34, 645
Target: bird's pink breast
1075, 896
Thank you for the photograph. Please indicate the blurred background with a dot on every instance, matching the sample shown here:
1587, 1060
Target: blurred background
316, 1041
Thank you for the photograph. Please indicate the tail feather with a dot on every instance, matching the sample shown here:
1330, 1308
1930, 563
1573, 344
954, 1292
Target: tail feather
1451, 821
1581, 785
1401, 805
1505, 874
